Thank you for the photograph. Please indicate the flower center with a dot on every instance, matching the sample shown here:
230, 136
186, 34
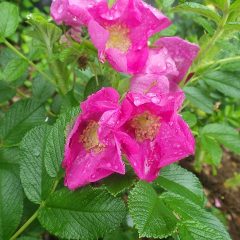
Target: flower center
89, 138
118, 38
146, 126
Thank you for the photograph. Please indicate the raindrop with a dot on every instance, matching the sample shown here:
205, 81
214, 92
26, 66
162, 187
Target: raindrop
36, 152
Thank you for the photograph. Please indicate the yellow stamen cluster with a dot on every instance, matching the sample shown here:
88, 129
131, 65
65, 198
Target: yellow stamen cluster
118, 38
89, 138
146, 126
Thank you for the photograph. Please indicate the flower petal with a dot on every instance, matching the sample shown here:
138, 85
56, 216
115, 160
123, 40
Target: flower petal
175, 140
101, 101
182, 52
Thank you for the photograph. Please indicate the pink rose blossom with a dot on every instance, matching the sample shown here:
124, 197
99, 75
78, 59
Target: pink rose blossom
169, 59
72, 12
121, 33
92, 151
155, 135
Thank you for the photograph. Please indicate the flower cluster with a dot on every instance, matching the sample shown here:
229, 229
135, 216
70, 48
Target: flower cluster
145, 126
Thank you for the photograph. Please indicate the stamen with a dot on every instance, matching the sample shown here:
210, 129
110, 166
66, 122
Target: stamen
118, 38
146, 126
89, 138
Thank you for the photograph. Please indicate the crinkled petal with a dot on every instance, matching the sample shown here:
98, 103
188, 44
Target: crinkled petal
160, 62
145, 83
91, 167
164, 105
136, 60
101, 101
117, 59
98, 34
182, 52
112, 120
175, 140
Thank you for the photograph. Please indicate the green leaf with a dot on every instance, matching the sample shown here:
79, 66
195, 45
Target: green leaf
235, 6
117, 183
6, 91
212, 147
35, 180
188, 211
205, 24
198, 9
15, 69
84, 214
232, 26
176, 179
221, 4
11, 203
20, 118
192, 230
42, 89
94, 85
225, 82
150, 215
10, 159
224, 134
233, 182
56, 141
190, 118
198, 98
43, 31
9, 17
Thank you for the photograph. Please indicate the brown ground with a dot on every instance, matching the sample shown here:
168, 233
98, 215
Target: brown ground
229, 199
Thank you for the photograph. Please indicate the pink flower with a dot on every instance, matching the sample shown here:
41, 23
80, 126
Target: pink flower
72, 12
92, 151
121, 33
170, 58
155, 135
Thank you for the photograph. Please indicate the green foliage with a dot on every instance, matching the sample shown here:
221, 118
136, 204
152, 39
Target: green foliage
96, 83
188, 211
6, 91
35, 180
225, 82
116, 183
181, 182
84, 214
21, 117
56, 140
11, 203
43, 31
9, 18
233, 182
42, 89
199, 99
15, 69
150, 215
223, 134
198, 9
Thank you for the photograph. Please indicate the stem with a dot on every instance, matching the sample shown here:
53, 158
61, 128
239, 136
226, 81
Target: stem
26, 225
15, 50
215, 37
34, 216
222, 61
211, 43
